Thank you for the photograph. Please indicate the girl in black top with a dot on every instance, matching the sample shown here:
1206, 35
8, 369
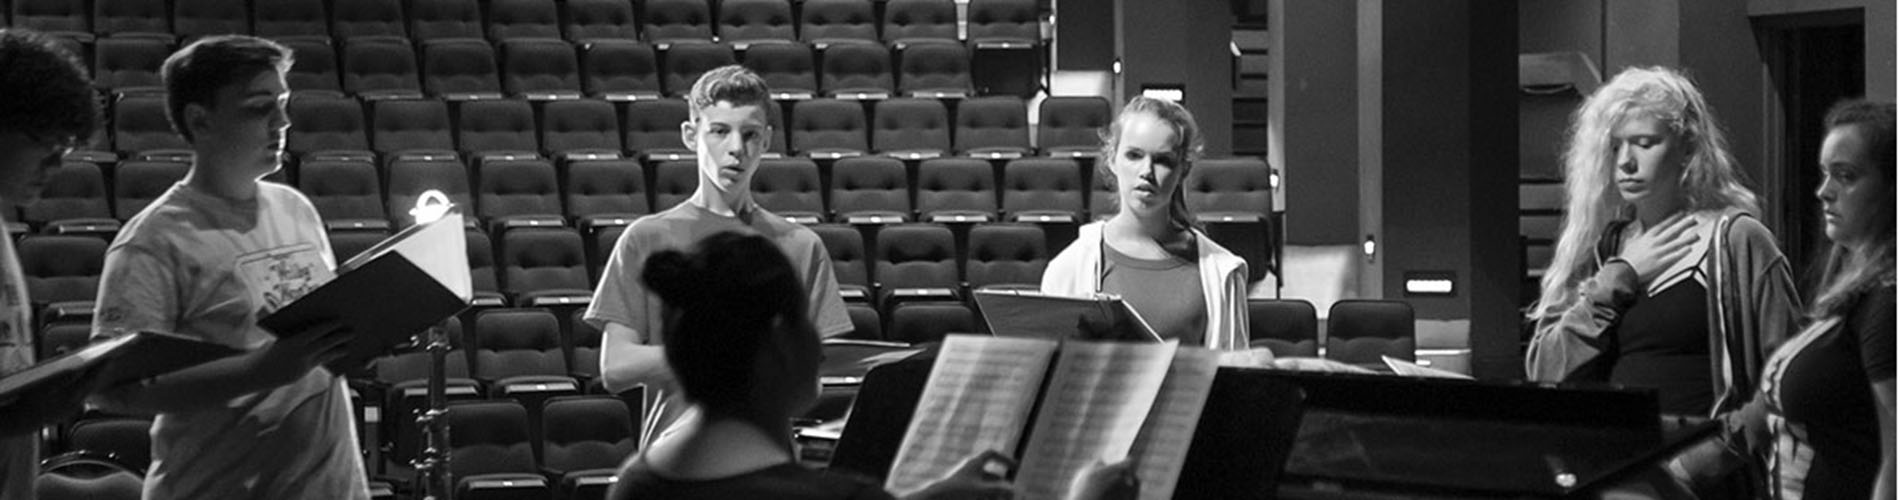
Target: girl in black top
1829, 391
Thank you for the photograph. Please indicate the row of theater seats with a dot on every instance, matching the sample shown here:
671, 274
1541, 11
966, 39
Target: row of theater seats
548, 69
751, 21
332, 127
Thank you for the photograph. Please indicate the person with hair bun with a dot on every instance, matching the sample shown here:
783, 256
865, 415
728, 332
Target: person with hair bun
1663, 277
1151, 253
745, 357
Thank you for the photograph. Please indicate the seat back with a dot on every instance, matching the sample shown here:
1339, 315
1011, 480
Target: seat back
408, 179
856, 68
995, 123
906, 20
1288, 327
126, 440
110, 18
676, 20
543, 259
79, 477
865, 322
508, 19
459, 66
961, 186
828, 21
366, 18
673, 182
1072, 124
686, 61
380, 64
315, 65
438, 19
1007, 254
580, 125
518, 341
491, 437
136, 184
919, 322
916, 256
342, 189
749, 20
586, 20
539, 66
586, 432
933, 68
850, 260
1004, 20
1038, 185
291, 18
410, 124
612, 67
320, 122
75, 190
870, 185
1232, 185
602, 187
828, 125
139, 124
914, 125
1359, 331
195, 18
654, 125
787, 68
789, 187
61, 268
516, 188
496, 126
129, 62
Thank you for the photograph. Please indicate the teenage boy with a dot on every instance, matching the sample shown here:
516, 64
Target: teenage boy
46, 107
216, 252
728, 131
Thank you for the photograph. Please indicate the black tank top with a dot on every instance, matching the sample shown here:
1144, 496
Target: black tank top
1662, 342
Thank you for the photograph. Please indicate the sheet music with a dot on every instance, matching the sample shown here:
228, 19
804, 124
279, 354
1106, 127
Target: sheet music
1161, 450
1093, 409
978, 398
438, 248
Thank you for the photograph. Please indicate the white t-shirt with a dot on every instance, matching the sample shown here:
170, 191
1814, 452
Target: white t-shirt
207, 267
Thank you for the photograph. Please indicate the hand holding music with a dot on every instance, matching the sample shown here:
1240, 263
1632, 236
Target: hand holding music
972, 480
291, 356
1658, 248
1106, 481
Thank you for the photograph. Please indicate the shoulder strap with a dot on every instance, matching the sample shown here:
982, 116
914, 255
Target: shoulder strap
1610, 241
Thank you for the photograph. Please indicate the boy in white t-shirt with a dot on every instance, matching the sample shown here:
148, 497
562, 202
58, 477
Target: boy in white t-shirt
207, 259
46, 107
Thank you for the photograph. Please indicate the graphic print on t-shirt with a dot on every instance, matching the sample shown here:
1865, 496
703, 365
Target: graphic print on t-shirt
280, 275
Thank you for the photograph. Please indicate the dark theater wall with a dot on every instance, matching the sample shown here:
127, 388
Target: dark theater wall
1315, 117
1181, 42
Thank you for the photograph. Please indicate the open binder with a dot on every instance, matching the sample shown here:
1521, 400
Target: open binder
158, 353
1036, 315
390, 292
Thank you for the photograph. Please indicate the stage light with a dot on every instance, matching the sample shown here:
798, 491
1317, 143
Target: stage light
1371, 248
430, 207
1169, 92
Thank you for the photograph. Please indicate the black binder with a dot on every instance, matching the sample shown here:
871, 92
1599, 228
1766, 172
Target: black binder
123, 359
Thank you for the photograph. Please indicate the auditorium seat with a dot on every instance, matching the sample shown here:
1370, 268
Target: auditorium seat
994, 127
86, 477
915, 262
865, 323
326, 127
910, 128
787, 69
64, 17
540, 69
856, 71
1288, 327
653, 129
460, 69
280, 19
497, 129
910, 20
1360, 331
1103, 200
1233, 200
518, 355
584, 439
144, 18
602, 193
61, 337
404, 380
74, 200
1042, 190
140, 129
380, 68
1005, 34
314, 68
599, 249
746, 22
62, 274
518, 193
348, 194
490, 453
789, 187
685, 61
366, 18
201, 18
870, 190
511, 19
673, 182
956, 190
938, 69
920, 322
544, 266
828, 129
780, 146
1012, 22
135, 183
438, 19
826, 22
409, 178
1006, 255
619, 70
669, 21
584, 21
411, 129
481, 268
1071, 126
849, 260
580, 129
130, 63
583, 362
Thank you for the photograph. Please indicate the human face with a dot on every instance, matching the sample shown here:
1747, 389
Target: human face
1145, 165
728, 140
244, 128
1850, 187
1649, 162
25, 163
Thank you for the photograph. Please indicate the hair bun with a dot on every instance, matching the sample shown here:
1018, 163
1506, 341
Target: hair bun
671, 274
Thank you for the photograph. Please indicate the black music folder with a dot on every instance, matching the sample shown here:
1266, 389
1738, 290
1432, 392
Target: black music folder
155, 353
390, 292
1036, 315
